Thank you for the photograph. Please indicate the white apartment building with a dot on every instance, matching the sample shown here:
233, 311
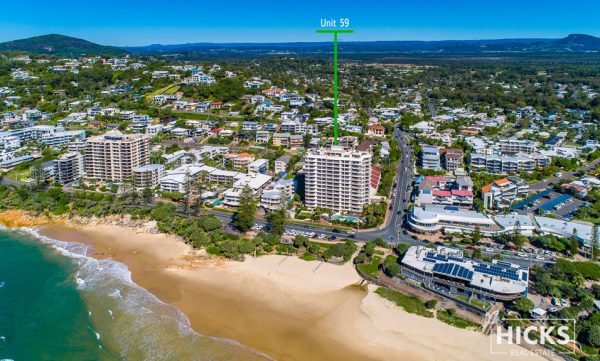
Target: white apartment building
68, 168
148, 176
255, 181
202, 78
179, 179
280, 192
514, 146
337, 179
521, 162
114, 155
430, 157
293, 127
61, 138
503, 192
258, 166
281, 163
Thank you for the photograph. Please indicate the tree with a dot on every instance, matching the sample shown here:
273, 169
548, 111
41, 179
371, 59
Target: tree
592, 336
277, 219
595, 241
369, 249
477, 254
244, 217
393, 270
573, 246
430, 304
360, 258
147, 194
37, 174
230, 249
523, 304
300, 241
477, 235
209, 223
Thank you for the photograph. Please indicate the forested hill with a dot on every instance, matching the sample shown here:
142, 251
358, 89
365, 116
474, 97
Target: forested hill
60, 45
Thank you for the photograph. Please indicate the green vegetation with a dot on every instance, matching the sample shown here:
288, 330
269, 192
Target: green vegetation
409, 304
60, 45
565, 279
371, 268
244, 216
449, 316
430, 304
523, 305
391, 267
591, 213
473, 301
169, 89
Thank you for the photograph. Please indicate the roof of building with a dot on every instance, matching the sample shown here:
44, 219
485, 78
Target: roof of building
500, 277
148, 167
365, 145
462, 193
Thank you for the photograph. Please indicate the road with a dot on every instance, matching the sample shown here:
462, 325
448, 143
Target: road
534, 188
400, 197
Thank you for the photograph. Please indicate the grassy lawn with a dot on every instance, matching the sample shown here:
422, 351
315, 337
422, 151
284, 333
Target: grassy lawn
409, 304
474, 302
342, 228
371, 268
479, 303
20, 176
459, 322
204, 116
169, 89
307, 257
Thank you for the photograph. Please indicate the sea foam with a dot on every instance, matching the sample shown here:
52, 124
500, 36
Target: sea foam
139, 321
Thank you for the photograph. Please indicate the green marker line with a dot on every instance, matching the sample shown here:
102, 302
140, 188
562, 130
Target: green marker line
335, 76
335, 89
333, 31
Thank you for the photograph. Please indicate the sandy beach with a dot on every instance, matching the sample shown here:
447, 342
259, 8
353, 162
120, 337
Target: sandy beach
281, 306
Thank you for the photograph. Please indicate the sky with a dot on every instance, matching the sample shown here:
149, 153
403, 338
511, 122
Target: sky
135, 22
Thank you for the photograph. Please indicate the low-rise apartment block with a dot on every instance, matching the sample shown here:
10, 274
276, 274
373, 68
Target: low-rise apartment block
514, 146
258, 166
68, 168
281, 163
446, 191
453, 159
430, 157
148, 176
508, 164
503, 192
238, 161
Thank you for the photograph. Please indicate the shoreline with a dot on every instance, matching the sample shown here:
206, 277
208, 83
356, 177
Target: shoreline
284, 307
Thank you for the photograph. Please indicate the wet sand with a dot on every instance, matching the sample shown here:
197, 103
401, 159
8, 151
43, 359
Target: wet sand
281, 306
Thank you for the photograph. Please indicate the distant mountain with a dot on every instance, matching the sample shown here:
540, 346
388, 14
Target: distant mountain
579, 42
61, 45
572, 43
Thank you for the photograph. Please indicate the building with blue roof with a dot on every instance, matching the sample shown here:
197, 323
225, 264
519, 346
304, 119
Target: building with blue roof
446, 268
